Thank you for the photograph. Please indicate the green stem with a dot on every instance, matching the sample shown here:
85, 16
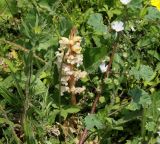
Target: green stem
18, 141
143, 122
27, 88
60, 76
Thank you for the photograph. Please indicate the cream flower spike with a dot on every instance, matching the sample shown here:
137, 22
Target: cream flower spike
76, 48
77, 39
70, 57
64, 41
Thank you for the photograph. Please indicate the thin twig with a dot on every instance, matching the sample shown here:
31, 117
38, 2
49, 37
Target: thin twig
18, 141
19, 47
85, 132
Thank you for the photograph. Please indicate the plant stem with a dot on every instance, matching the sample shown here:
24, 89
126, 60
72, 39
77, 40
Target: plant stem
85, 132
18, 141
59, 96
21, 48
143, 122
27, 87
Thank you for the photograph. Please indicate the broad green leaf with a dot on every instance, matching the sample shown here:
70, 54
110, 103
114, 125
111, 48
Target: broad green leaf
39, 87
92, 121
153, 14
144, 72
136, 140
73, 110
135, 4
135, 72
150, 126
96, 21
69, 110
46, 43
155, 54
8, 96
7, 82
3, 121
139, 98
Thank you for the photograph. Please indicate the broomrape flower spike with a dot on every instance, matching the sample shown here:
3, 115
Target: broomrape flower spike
125, 2
69, 55
156, 3
117, 26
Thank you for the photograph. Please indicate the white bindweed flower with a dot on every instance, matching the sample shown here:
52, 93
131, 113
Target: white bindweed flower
103, 67
117, 26
125, 2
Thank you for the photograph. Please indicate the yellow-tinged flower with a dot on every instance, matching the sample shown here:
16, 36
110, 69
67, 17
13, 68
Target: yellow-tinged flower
156, 3
13, 54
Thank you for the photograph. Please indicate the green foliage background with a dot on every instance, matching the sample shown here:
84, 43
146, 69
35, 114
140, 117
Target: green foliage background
128, 111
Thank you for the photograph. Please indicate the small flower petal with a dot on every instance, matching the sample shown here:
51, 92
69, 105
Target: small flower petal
103, 67
117, 26
125, 2
156, 3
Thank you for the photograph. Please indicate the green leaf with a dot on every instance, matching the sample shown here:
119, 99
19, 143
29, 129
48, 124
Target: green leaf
135, 4
47, 42
92, 121
7, 82
139, 98
8, 96
39, 87
144, 72
150, 126
134, 71
96, 21
73, 110
153, 13
67, 110
3, 121
154, 54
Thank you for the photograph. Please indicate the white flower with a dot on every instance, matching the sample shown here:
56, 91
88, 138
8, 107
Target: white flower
117, 26
125, 2
158, 133
103, 67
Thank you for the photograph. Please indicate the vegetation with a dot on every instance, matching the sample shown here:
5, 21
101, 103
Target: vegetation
79, 71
